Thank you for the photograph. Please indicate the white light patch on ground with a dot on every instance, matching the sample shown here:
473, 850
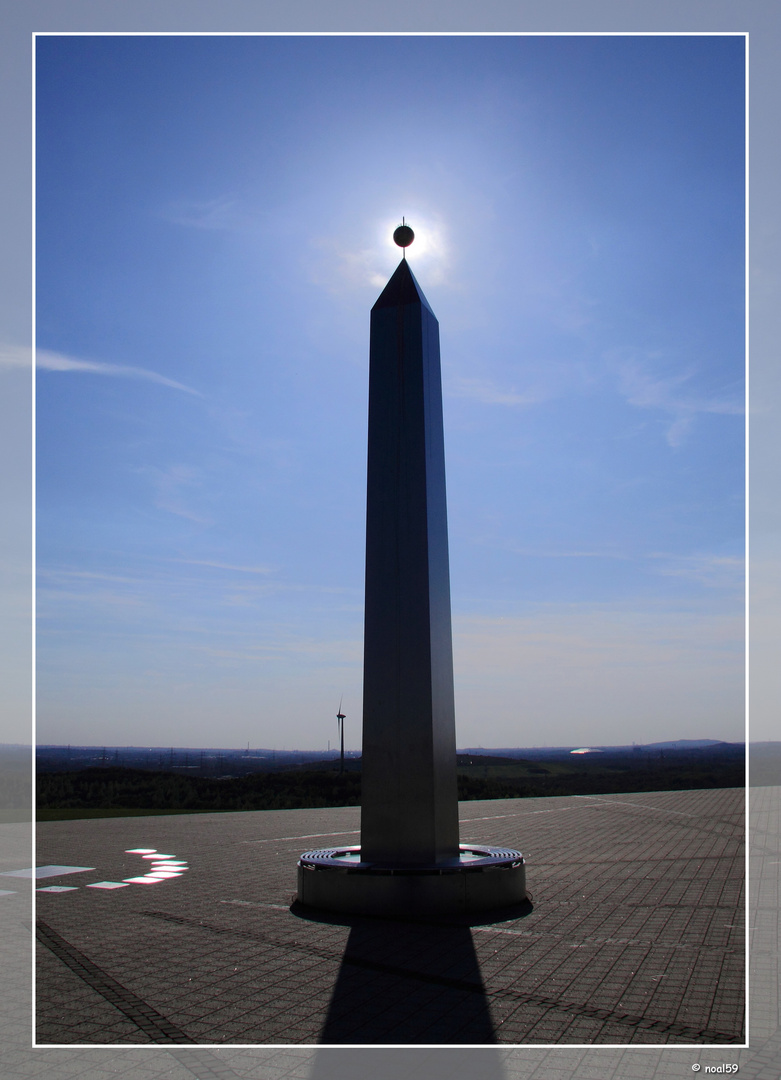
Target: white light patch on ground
58, 888
46, 871
7, 892
163, 866
108, 885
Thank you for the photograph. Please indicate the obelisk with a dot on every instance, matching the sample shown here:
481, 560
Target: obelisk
409, 800
409, 863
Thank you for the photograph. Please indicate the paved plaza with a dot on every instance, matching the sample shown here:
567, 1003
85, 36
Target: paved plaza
634, 934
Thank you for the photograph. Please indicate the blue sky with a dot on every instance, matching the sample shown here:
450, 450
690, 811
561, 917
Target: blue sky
213, 225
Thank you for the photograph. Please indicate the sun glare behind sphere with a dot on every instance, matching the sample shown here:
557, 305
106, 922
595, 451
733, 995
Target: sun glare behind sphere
428, 246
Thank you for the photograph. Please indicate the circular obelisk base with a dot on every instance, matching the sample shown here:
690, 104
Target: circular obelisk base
335, 879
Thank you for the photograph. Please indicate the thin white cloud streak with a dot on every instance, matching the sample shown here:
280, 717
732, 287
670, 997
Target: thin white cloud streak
167, 598
714, 571
87, 576
251, 595
574, 634
647, 390
537, 553
310, 650
16, 356
228, 566
488, 393
224, 213
170, 485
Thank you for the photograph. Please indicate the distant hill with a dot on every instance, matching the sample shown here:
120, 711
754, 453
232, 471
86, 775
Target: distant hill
563, 753
685, 744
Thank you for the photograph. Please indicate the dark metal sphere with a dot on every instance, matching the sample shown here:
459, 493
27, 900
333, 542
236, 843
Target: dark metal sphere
404, 236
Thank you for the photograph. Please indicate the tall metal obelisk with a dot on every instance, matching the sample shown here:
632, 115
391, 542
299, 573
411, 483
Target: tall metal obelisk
409, 803
409, 862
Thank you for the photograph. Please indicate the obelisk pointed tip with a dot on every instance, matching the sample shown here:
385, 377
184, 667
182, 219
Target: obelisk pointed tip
402, 288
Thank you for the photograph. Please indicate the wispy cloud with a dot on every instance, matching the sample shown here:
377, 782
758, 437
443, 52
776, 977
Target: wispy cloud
320, 652
17, 356
714, 571
105, 594
549, 554
228, 566
171, 485
488, 393
644, 387
59, 576
225, 213
573, 636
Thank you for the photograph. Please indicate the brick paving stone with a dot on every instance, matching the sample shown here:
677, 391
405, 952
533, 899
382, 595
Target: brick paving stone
636, 920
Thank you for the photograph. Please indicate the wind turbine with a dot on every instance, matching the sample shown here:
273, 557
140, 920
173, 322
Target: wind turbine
340, 725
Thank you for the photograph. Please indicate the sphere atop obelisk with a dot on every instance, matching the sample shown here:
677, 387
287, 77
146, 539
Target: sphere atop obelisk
404, 235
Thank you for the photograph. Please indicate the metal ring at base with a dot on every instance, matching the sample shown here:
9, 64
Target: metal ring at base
335, 879
472, 857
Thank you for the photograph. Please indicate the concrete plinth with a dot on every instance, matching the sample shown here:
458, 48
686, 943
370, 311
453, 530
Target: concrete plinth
479, 879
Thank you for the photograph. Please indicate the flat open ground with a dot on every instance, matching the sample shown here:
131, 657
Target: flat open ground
635, 933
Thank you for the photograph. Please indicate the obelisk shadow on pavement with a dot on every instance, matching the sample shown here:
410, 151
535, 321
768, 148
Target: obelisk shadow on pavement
408, 984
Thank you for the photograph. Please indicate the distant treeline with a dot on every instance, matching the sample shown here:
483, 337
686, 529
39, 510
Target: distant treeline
139, 789
673, 778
